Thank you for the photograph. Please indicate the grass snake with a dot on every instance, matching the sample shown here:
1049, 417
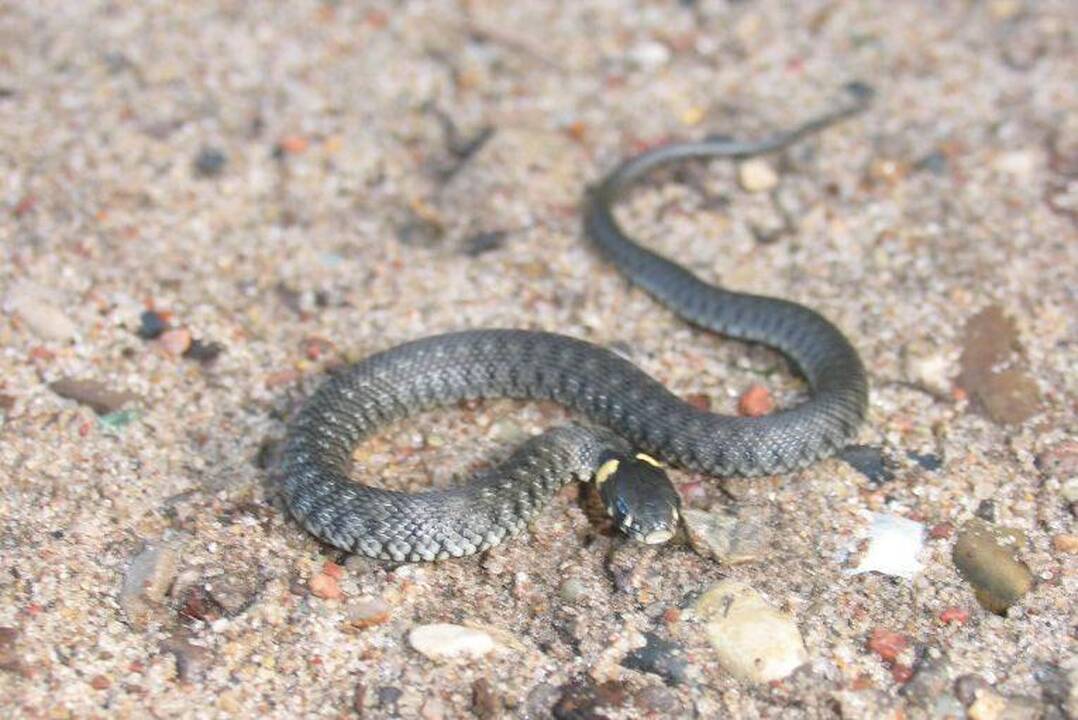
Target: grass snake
633, 418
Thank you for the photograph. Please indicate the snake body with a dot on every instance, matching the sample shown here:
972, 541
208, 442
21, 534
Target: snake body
629, 411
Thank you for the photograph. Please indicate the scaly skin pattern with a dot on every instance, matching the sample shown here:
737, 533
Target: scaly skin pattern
628, 407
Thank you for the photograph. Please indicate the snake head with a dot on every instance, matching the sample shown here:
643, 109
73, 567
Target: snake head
640, 497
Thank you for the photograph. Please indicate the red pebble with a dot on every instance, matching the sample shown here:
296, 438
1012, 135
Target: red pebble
901, 673
954, 615
888, 645
326, 587
332, 569
941, 531
755, 401
100, 682
700, 401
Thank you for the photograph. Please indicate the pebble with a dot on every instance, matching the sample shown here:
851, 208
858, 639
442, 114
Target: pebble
443, 641
887, 644
1065, 544
664, 658
649, 55
485, 703
1018, 163
33, 306
894, 544
146, 582
754, 641
325, 586
728, 537
994, 372
924, 366
209, 162
757, 175
151, 325
987, 705
175, 342
755, 401
95, 395
368, 612
582, 700
573, 590
986, 557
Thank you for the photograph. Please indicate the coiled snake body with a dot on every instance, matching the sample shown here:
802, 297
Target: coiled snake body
632, 412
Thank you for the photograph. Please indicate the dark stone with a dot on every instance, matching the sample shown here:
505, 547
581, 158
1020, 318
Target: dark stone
151, 325
869, 461
581, 700
659, 657
203, 352
210, 162
928, 461
388, 697
986, 510
935, 162
483, 242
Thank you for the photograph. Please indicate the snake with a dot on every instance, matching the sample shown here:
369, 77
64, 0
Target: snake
633, 427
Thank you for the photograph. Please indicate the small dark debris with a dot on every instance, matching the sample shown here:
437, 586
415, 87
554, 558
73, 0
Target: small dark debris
209, 162
485, 704
421, 232
869, 461
986, 510
388, 697
581, 700
95, 395
935, 162
151, 325
659, 657
928, 461
483, 242
6, 92
203, 352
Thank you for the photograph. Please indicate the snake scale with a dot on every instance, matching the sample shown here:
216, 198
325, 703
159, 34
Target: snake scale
633, 418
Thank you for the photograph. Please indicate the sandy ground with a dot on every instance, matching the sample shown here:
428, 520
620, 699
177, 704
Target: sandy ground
292, 186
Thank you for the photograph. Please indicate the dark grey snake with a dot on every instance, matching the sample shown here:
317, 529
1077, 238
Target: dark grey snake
633, 413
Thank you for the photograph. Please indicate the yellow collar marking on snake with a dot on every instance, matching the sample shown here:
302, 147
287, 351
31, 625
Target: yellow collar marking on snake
605, 471
648, 459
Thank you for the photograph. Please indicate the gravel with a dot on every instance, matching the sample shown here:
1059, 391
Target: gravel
279, 185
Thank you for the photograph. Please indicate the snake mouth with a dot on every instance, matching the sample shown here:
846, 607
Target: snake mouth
657, 537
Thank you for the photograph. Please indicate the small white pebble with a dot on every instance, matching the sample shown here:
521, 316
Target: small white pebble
757, 175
